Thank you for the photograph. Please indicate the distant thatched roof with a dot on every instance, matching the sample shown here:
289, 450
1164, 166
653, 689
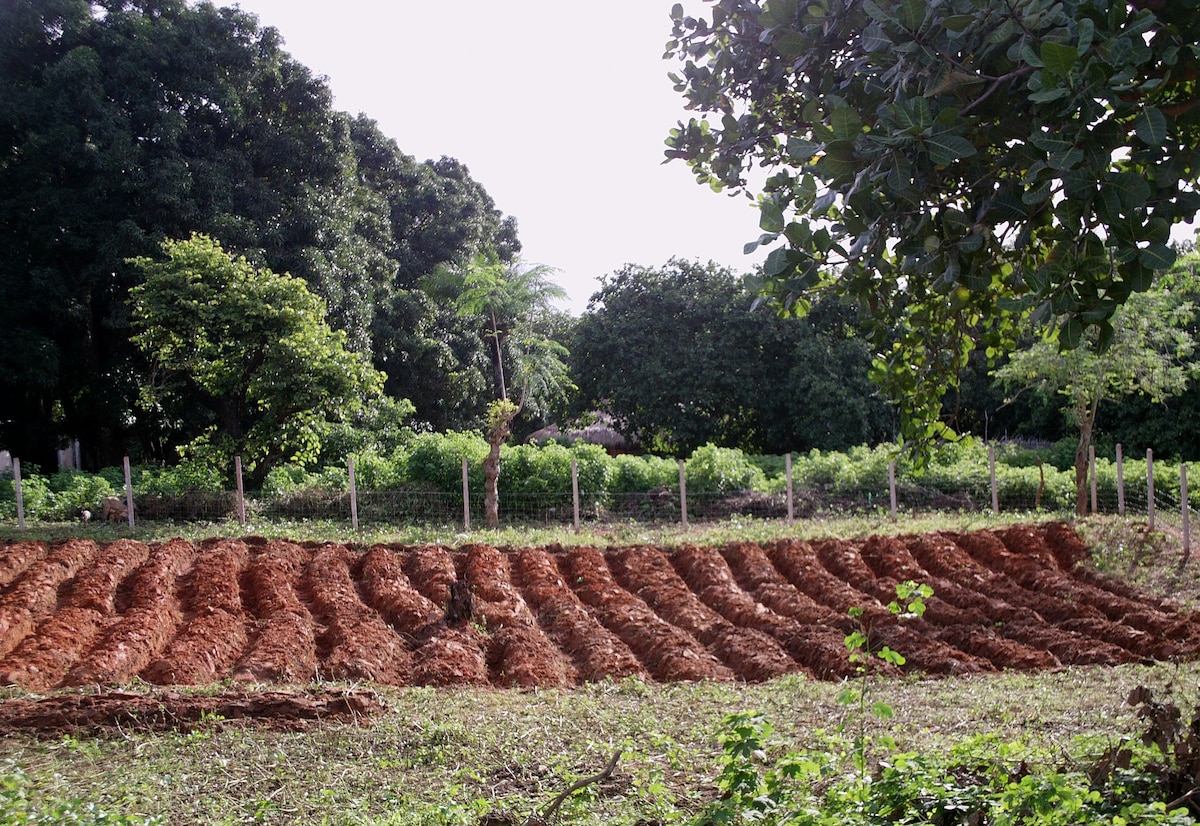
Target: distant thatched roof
600, 432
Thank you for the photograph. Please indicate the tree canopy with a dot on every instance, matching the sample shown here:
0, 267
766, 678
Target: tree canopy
249, 346
126, 122
1150, 355
952, 166
678, 358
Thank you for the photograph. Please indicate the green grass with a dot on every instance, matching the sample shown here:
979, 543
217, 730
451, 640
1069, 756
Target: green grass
737, 528
441, 756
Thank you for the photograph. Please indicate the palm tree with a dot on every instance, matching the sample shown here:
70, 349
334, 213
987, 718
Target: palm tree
509, 299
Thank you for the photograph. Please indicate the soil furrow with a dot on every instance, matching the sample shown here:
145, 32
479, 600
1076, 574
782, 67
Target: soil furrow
43, 659
76, 613
34, 595
357, 643
213, 633
751, 654
17, 558
596, 651
668, 653
282, 648
390, 592
146, 627
819, 641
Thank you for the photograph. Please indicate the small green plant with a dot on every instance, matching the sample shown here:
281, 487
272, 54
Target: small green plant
909, 603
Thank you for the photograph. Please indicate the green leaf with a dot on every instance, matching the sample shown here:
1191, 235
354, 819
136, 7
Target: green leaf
770, 217
845, 124
800, 150
958, 23
912, 14
944, 149
792, 44
1070, 333
1151, 126
1131, 188
874, 39
1157, 256
777, 263
1059, 58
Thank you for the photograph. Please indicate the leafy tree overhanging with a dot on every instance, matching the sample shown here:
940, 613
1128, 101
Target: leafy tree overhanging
955, 166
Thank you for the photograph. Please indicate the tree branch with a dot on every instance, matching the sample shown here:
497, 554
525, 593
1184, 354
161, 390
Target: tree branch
548, 812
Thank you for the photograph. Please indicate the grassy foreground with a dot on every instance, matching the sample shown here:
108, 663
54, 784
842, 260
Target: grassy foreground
453, 756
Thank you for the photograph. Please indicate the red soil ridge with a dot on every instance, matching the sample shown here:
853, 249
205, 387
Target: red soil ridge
255, 611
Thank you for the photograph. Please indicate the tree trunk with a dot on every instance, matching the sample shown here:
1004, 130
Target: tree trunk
1087, 419
497, 435
1081, 476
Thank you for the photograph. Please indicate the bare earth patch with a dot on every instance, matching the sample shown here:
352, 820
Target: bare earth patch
79, 614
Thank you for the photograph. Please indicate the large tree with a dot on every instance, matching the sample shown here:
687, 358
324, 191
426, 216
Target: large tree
1150, 355
252, 348
125, 122
679, 359
951, 166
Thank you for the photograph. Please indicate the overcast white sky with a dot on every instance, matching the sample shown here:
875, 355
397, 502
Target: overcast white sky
558, 108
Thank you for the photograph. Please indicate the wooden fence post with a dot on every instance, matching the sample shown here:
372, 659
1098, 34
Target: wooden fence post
353, 498
128, 493
466, 498
1149, 489
683, 495
892, 487
992, 476
20, 495
241, 491
575, 491
1186, 508
791, 502
1120, 481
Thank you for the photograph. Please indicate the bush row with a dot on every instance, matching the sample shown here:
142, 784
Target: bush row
432, 462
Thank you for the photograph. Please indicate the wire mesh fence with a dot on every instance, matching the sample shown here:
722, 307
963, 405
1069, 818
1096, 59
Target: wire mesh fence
1136, 493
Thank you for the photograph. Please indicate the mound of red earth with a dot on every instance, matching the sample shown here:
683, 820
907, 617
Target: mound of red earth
81, 614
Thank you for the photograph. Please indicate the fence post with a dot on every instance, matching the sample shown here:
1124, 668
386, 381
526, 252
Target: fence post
575, 490
353, 498
791, 502
128, 493
1092, 474
683, 495
241, 491
1183, 506
892, 487
992, 477
1149, 489
1120, 481
20, 495
466, 498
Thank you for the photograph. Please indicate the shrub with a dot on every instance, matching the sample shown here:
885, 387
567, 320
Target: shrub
639, 474
436, 458
74, 491
529, 470
713, 469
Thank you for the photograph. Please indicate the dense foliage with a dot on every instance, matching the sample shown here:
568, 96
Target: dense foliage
952, 167
251, 349
678, 358
126, 123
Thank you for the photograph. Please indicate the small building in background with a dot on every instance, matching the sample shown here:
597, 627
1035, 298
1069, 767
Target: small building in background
600, 432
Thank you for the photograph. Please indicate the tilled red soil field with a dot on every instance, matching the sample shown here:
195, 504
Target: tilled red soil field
78, 613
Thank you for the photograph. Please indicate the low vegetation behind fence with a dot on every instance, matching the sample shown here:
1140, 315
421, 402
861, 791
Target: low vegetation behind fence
438, 480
